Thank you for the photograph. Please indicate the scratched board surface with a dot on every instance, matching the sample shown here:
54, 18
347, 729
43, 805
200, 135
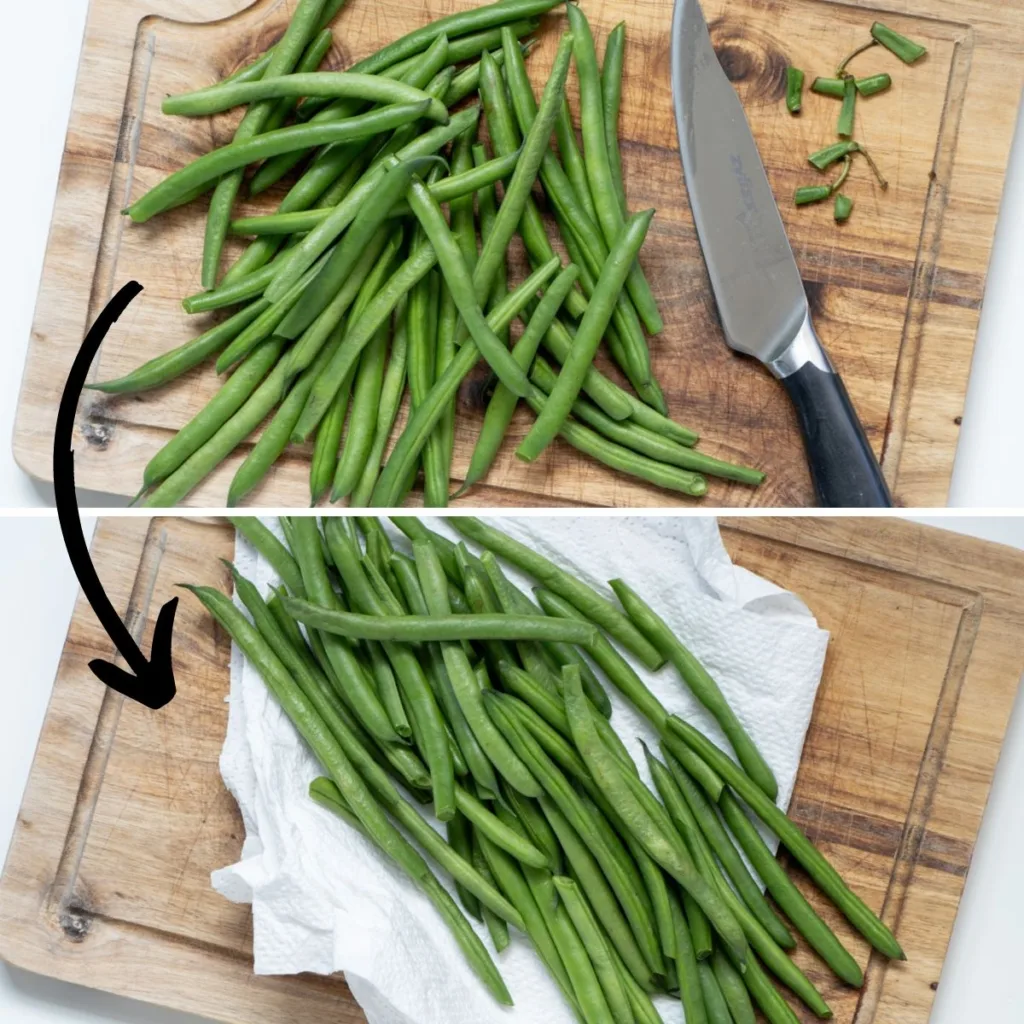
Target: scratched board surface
107, 882
895, 292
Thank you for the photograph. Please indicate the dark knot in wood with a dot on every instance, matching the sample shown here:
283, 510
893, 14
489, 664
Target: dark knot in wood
749, 57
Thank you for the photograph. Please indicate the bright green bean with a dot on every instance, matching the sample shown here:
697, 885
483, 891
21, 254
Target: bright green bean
460, 839
630, 434
496, 927
327, 444
266, 543
730, 982
714, 999
423, 420
803, 916
587, 339
696, 767
775, 1009
224, 160
611, 95
532, 821
599, 175
700, 683
312, 58
688, 968
387, 688
503, 402
597, 609
573, 159
171, 365
335, 84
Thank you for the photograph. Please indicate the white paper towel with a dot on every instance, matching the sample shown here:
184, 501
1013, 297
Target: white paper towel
324, 900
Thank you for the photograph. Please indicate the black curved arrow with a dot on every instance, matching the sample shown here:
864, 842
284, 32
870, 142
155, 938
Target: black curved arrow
153, 681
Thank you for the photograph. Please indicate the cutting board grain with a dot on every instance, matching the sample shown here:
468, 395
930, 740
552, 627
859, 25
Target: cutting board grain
896, 292
125, 815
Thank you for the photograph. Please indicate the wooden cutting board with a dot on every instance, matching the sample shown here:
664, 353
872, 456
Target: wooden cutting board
125, 815
896, 292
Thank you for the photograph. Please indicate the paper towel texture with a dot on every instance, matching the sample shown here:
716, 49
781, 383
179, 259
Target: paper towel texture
324, 900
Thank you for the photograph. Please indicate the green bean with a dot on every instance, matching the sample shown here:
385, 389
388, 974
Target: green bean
678, 753
467, 82
413, 628
618, 671
551, 741
171, 365
303, 26
311, 60
498, 831
657, 893
611, 95
599, 176
760, 940
460, 673
558, 343
350, 250
323, 235
720, 843
204, 425
591, 880
496, 927
503, 402
240, 289
460, 839
700, 683
249, 72
772, 1005
459, 283
423, 420
303, 714
366, 280
334, 84
455, 187
688, 967
817, 933
419, 698
614, 785
535, 826
324, 462
639, 1001
714, 1000
592, 328
387, 688
569, 803
221, 162
613, 1004
274, 438
583, 597
730, 982
267, 323
631, 435
510, 879
387, 411
358, 691
266, 543
359, 334
464, 935
675, 805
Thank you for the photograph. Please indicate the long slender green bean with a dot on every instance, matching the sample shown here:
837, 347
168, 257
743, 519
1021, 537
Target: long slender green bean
714, 999
266, 543
688, 967
696, 767
599, 175
596, 608
222, 161
805, 919
460, 839
611, 94
327, 444
700, 683
775, 1009
496, 926
387, 492
503, 402
730, 981
588, 337
311, 59
535, 825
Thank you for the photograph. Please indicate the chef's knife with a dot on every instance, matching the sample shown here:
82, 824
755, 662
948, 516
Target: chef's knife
757, 286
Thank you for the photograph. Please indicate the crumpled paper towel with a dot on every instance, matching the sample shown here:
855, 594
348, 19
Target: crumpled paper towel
324, 900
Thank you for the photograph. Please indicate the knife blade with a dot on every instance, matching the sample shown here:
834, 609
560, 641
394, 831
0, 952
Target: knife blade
754, 276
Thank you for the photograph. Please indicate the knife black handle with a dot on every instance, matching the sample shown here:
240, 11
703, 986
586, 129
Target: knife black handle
845, 471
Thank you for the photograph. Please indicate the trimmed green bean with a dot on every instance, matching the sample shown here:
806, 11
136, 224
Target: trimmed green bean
675, 751
262, 538
535, 825
805, 919
171, 365
403, 459
691, 991
700, 683
464, 935
599, 176
730, 982
387, 688
496, 926
587, 339
503, 402
460, 839
498, 831
613, 783
311, 60
572, 158
714, 1000
611, 95
327, 445
583, 597
827, 879
221, 162
772, 1005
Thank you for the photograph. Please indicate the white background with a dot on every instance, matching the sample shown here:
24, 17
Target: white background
987, 471
980, 981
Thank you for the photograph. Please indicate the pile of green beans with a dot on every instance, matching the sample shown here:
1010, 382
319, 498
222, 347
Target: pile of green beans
426, 673
395, 197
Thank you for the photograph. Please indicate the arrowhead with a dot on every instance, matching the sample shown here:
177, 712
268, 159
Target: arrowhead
153, 682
